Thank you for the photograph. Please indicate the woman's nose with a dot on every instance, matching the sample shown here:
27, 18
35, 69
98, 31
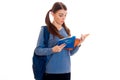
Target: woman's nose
63, 18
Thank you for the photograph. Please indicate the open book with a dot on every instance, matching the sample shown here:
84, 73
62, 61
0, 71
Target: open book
69, 41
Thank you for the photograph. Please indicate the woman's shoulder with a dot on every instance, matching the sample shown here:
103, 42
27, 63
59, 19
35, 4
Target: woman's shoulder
44, 26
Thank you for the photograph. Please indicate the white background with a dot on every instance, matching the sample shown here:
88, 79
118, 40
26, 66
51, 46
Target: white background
99, 55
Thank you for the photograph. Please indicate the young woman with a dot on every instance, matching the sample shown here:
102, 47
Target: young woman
59, 64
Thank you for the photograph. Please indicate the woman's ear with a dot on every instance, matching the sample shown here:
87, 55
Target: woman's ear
52, 13
51, 16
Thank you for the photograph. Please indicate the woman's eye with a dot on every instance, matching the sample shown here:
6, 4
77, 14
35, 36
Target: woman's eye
61, 15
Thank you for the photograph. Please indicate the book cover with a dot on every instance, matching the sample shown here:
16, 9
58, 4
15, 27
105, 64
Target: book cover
69, 41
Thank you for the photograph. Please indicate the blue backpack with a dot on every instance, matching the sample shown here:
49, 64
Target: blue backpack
39, 62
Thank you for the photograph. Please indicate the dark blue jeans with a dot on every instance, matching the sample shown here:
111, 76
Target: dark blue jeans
65, 76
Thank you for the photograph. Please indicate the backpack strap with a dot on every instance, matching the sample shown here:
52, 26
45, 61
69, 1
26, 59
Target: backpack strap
46, 35
46, 38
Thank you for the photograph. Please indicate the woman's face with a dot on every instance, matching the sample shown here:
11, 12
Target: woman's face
59, 16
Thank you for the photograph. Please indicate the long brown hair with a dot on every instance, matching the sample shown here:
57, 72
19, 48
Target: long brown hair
52, 29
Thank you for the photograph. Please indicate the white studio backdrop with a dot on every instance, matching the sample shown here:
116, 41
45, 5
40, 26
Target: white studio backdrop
99, 55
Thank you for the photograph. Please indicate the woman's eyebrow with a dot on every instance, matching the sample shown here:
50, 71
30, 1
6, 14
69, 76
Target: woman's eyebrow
62, 13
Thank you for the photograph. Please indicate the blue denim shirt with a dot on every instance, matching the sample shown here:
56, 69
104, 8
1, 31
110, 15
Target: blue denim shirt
58, 62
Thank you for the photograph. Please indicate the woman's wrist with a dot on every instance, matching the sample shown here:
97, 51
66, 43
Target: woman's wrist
79, 45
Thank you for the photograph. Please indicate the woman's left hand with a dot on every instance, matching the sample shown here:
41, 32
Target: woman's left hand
83, 37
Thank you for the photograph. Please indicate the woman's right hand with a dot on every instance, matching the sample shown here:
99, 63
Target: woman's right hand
58, 48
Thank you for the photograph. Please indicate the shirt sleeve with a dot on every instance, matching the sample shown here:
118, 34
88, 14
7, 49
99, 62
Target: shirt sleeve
40, 48
74, 50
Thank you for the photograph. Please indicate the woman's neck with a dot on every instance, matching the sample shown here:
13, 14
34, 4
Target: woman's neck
58, 26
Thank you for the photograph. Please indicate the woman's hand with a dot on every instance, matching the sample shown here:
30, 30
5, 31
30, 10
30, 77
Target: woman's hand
58, 48
83, 37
